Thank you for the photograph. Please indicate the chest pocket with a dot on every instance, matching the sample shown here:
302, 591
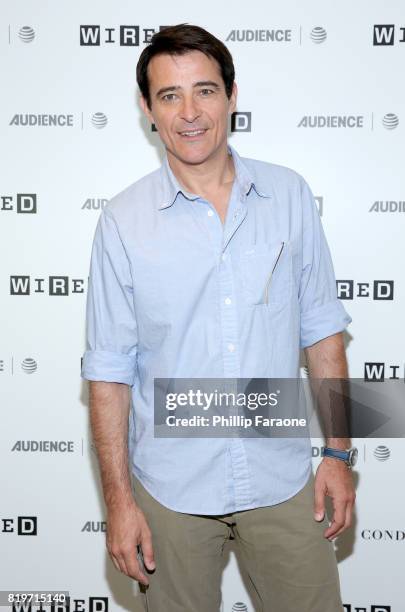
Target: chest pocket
266, 273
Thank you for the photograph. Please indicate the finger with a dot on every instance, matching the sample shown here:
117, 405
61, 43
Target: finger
319, 501
147, 551
348, 520
349, 516
134, 565
114, 560
121, 563
338, 519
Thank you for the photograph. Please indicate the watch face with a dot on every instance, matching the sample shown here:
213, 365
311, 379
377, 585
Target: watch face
353, 456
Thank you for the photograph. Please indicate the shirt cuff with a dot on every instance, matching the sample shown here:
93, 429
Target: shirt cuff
323, 321
109, 366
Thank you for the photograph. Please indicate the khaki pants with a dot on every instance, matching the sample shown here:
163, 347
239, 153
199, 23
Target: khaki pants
290, 565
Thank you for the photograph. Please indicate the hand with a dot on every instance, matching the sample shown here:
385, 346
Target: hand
126, 528
334, 478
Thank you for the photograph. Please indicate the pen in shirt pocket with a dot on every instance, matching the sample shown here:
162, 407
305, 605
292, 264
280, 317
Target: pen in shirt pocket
266, 293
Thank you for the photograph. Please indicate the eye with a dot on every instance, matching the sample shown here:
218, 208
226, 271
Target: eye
206, 92
167, 98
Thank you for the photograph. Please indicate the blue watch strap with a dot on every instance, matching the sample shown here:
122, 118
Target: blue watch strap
334, 452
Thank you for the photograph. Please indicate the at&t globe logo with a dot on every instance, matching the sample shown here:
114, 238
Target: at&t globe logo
239, 606
382, 453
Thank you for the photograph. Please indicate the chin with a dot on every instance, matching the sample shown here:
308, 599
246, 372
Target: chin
188, 157
197, 156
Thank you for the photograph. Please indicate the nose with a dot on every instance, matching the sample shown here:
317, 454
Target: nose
189, 110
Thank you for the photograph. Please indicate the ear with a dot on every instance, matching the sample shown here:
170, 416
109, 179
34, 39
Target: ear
233, 98
145, 109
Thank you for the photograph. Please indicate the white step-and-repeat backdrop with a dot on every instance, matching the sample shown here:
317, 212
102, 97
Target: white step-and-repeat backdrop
321, 90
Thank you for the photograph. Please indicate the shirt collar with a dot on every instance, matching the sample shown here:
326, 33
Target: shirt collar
170, 186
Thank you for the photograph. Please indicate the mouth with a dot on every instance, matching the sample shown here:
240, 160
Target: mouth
192, 134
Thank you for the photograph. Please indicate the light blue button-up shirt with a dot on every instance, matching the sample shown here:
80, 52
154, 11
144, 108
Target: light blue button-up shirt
174, 293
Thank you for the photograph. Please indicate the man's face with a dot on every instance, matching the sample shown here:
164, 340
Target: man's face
189, 106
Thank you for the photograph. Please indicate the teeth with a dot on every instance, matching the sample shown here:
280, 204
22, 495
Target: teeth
192, 133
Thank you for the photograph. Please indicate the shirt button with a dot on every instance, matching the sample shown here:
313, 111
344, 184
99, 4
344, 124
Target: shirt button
231, 347
228, 301
210, 213
223, 256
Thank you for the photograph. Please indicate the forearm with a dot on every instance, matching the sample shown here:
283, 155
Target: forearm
109, 411
327, 359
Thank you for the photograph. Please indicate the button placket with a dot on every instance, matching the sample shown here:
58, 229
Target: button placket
237, 211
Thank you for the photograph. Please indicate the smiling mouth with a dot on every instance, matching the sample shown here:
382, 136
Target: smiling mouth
192, 133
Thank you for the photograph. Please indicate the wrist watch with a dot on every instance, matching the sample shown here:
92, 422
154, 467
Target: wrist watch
349, 456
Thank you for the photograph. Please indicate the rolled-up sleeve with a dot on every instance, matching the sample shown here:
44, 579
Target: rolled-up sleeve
111, 332
322, 313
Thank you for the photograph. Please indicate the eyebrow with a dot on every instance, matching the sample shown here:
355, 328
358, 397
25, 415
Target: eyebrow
197, 84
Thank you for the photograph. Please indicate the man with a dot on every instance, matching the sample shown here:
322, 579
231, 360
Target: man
212, 266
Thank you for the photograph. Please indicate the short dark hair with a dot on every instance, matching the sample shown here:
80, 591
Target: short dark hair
178, 40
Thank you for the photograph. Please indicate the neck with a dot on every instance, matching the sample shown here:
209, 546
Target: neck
206, 177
